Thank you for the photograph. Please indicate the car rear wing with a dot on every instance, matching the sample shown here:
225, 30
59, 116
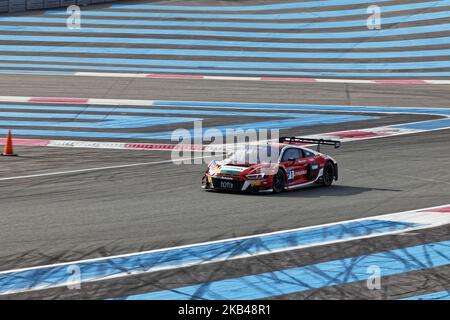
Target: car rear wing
319, 142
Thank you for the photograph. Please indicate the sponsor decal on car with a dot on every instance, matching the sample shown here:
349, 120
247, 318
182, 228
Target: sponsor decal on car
291, 174
232, 169
226, 178
226, 184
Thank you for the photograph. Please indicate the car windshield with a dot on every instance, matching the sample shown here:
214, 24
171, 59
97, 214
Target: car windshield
254, 155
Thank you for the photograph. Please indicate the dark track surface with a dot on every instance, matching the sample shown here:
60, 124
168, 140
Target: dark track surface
94, 214
51, 219
127, 209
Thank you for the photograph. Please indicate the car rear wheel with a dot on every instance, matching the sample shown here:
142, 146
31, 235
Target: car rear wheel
328, 174
279, 182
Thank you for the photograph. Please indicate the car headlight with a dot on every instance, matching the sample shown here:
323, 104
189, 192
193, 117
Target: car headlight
212, 168
212, 171
256, 175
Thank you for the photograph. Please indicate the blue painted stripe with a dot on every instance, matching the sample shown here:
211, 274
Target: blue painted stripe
242, 44
312, 120
373, 34
237, 64
251, 106
227, 53
293, 121
112, 121
206, 71
429, 125
426, 125
176, 257
444, 295
272, 16
278, 6
201, 105
315, 276
36, 72
296, 121
74, 116
234, 24
429, 16
218, 105
108, 112
107, 121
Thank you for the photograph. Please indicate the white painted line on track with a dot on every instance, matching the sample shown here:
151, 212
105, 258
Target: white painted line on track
58, 173
265, 79
345, 81
121, 102
169, 76
14, 99
254, 105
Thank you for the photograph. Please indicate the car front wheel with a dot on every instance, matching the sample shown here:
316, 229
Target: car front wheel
279, 182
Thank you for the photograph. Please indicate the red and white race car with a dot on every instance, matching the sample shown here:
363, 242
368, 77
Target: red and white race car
294, 166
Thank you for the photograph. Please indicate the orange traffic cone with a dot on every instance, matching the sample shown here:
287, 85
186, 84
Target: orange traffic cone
8, 148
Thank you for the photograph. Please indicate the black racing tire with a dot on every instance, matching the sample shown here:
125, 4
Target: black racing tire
328, 174
279, 182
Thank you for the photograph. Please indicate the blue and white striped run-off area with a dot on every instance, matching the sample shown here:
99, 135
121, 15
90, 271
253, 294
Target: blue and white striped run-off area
309, 39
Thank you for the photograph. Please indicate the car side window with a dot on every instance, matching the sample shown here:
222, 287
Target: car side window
308, 153
291, 153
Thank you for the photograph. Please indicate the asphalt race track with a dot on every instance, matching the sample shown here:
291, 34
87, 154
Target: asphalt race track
66, 204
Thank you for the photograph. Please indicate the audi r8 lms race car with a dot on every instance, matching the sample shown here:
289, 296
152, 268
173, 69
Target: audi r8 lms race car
273, 167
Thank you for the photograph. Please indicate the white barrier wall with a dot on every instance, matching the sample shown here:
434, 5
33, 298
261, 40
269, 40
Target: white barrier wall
24, 5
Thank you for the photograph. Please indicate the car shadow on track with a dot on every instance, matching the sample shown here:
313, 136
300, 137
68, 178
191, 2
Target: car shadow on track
314, 192
332, 191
